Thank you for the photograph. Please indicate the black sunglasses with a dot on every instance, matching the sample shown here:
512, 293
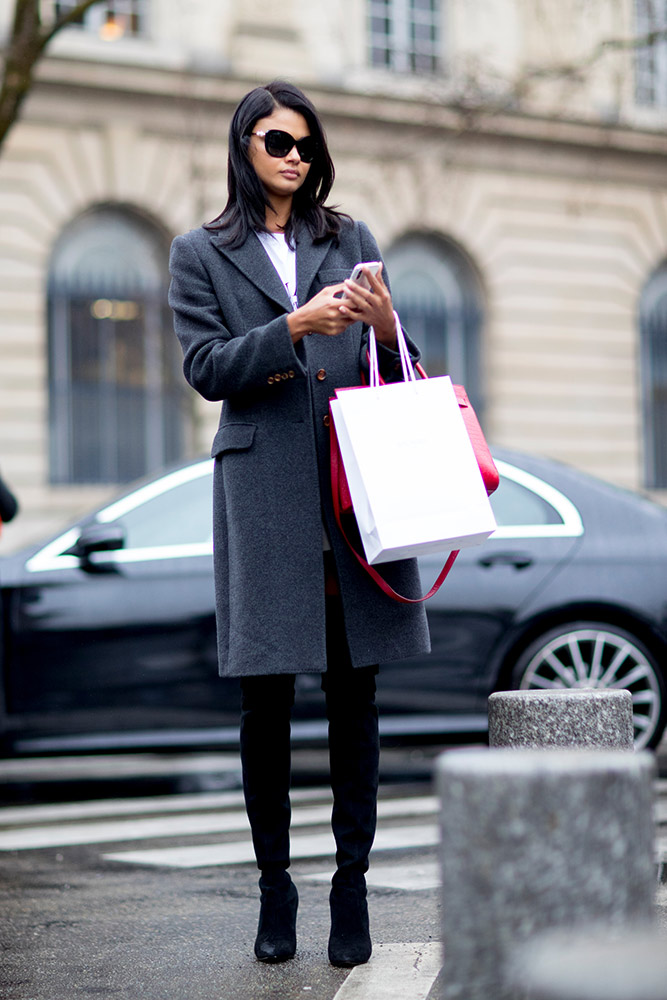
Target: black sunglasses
278, 143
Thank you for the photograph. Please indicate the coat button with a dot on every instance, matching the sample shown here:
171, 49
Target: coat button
326, 419
284, 375
270, 380
290, 374
321, 375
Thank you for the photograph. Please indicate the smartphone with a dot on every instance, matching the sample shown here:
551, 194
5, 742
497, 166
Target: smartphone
374, 266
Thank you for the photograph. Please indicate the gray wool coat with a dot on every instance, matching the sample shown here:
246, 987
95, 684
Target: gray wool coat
271, 479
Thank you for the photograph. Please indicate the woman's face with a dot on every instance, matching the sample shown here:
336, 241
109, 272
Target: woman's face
281, 176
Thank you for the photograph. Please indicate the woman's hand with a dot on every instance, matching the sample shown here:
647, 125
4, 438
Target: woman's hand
321, 314
373, 307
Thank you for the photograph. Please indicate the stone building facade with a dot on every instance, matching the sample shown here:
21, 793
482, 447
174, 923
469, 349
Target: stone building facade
510, 157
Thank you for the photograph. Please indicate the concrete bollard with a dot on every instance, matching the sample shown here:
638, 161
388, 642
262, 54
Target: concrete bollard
535, 839
593, 718
593, 965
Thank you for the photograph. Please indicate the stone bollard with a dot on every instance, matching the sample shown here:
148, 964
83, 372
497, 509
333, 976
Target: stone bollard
535, 839
593, 718
591, 965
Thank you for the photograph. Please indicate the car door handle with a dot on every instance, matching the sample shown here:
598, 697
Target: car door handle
520, 560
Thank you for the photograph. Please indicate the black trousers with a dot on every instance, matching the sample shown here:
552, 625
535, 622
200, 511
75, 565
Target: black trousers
266, 704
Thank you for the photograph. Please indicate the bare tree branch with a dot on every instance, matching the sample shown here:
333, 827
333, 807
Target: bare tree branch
474, 98
575, 70
66, 18
25, 46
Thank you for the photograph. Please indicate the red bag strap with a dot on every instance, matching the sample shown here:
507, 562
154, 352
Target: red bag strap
372, 572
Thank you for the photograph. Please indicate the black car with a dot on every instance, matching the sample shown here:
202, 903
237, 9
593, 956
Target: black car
109, 638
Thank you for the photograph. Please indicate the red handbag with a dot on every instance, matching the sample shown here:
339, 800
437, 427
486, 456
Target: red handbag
342, 500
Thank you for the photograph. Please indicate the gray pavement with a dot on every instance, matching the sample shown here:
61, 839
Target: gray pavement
76, 923
171, 935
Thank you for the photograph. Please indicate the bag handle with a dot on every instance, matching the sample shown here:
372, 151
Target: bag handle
404, 354
372, 572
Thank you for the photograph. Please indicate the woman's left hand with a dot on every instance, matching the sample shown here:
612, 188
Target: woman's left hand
373, 307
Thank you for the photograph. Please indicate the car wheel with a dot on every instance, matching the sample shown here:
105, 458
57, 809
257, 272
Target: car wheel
592, 654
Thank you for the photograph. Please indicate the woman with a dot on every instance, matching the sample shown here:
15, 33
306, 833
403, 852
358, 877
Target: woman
259, 310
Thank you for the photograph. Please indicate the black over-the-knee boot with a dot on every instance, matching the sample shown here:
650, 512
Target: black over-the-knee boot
266, 705
354, 752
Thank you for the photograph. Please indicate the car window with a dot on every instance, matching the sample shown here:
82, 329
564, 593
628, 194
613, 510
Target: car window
167, 518
526, 506
513, 503
181, 515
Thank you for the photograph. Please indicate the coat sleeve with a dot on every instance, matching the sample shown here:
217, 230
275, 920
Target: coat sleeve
8, 503
216, 363
389, 360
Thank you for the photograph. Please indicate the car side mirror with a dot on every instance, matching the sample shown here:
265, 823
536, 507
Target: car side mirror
97, 538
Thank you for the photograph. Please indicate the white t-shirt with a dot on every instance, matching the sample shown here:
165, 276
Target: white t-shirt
283, 259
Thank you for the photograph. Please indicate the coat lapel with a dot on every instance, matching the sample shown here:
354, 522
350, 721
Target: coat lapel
253, 261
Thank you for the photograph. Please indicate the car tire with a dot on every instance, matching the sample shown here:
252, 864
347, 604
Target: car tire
594, 654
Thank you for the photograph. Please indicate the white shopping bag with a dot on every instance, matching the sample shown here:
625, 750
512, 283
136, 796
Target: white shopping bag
414, 480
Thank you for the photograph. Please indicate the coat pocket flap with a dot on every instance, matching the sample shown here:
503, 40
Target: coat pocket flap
233, 437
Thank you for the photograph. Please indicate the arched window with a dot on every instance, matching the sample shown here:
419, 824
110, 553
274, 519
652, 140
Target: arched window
116, 393
653, 332
438, 297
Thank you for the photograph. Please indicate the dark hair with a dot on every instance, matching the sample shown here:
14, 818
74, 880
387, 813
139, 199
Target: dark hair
247, 200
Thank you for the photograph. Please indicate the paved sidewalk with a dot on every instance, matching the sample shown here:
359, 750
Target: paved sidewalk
75, 922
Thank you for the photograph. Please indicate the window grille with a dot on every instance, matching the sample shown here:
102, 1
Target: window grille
651, 57
63, 7
118, 406
437, 294
112, 19
653, 332
404, 35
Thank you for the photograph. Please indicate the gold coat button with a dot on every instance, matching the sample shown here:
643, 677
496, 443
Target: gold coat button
284, 375
326, 419
290, 374
270, 380
321, 375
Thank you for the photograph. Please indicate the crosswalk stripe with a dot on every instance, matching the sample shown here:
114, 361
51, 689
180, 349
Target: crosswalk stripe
139, 765
32, 838
403, 971
146, 805
241, 852
66, 812
406, 876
